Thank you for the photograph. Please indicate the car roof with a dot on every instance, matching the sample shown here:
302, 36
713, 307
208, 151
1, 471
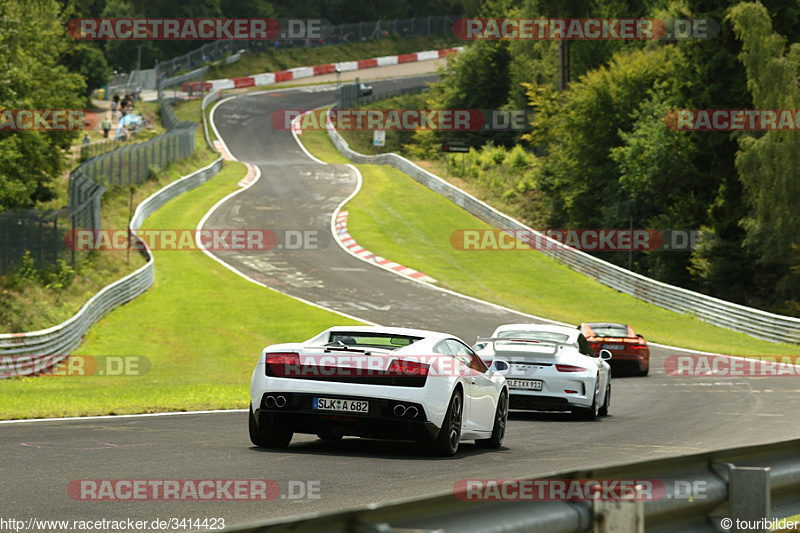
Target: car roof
551, 328
605, 325
424, 333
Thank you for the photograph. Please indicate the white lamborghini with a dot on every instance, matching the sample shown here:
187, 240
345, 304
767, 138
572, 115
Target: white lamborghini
378, 382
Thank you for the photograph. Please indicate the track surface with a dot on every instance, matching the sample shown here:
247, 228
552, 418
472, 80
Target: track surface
650, 417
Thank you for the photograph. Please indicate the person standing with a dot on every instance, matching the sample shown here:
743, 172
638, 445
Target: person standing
106, 127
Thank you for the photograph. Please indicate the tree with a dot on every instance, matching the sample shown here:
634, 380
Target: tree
32, 42
768, 163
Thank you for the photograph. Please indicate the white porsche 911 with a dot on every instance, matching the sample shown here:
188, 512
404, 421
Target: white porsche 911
551, 368
378, 382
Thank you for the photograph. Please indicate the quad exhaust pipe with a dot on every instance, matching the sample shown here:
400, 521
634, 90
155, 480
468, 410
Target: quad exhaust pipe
409, 412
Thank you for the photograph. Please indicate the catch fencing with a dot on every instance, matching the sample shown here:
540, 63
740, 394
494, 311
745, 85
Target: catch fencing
754, 322
65, 337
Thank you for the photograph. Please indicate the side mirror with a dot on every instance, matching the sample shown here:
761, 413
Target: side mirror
605, 355
498, 365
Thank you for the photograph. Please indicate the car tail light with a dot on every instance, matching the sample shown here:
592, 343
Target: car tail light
570, 368
281, 364
638, 346
596, 346
408, 368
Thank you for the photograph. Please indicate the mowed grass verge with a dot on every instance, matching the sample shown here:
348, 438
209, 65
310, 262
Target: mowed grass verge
200, 326
402, 220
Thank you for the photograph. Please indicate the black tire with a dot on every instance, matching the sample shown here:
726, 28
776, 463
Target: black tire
499, 428
268, 436
330, 435
446, 442
607, 402
643, 373
589, 413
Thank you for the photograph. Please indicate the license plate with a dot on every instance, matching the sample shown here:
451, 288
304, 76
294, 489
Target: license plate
528, 384
333, 404
614, 346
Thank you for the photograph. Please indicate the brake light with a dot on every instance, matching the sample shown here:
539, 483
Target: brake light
638, 346
289, 358
570, 368
408, 368
596, 346
282, 364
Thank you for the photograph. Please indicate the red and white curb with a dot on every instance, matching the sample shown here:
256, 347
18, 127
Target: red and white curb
351, 244
268, 78
251, 175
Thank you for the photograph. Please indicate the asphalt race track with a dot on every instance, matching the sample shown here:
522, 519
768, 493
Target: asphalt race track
651, 417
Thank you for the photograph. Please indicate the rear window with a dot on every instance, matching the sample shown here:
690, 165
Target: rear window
534, 336
609, 330
371, 340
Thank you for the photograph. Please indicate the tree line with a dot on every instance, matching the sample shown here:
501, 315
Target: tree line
606, 158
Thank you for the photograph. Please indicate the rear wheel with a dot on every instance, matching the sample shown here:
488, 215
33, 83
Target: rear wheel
268, 435
499, 429
446, 442
591, 412
606, 402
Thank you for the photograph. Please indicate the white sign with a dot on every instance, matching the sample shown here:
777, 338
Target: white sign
379, 137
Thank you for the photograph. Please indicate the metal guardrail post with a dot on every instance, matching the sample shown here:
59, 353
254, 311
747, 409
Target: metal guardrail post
749, 496
618, 516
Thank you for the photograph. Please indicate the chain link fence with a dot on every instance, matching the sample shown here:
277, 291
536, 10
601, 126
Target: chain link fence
42, 233
229, 51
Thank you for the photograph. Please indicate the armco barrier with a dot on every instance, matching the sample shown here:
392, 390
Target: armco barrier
65, 337
754, 322
699, 491
269, 78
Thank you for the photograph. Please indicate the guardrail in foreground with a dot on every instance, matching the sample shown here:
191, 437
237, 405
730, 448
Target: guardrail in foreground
751, 483
754, 322
65, 337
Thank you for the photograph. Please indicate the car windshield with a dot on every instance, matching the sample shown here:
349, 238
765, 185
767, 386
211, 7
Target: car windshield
371, 340
609, 330
534, 335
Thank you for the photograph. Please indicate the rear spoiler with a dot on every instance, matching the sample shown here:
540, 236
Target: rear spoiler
494, 340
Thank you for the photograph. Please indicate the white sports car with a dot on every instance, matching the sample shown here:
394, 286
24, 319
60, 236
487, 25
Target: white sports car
378, 382
551, 368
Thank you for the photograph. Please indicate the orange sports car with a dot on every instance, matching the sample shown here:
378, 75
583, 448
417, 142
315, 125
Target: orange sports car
629, 350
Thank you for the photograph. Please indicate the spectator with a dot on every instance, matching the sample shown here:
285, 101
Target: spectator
86, 139
106, 127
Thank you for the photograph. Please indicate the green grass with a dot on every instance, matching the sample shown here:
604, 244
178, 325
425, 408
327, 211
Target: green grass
398, 218
201, 326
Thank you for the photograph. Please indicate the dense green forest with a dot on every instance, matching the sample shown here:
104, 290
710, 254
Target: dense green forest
605, 158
